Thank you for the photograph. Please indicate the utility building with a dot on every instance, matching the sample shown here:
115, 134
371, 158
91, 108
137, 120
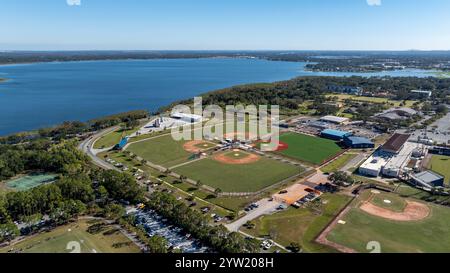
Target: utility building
334, 134
355, 142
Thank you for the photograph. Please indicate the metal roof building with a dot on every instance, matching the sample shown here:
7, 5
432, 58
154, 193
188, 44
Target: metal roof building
428, 179
334, 134
373, 165
334, 119
395, 143
358, 142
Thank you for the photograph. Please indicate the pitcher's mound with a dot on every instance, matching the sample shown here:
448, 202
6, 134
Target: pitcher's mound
236, 157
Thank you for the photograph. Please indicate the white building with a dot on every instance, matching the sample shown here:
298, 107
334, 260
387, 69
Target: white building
399, 161
422, 93
334, 119
374, 164
190, 118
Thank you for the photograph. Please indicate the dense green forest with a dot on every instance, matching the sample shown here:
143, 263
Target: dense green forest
79, 189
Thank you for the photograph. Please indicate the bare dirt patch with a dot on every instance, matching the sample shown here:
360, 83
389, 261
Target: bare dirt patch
238, 160
414, 211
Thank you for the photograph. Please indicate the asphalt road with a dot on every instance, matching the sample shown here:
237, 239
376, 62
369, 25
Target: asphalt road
87, 147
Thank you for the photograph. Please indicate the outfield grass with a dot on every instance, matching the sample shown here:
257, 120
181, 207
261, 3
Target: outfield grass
441, 164
429, 235
108, 240
308, 148
238, 178
300, 225
162, 150
337, 164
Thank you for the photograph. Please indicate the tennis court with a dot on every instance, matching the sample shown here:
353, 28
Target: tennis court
30, 181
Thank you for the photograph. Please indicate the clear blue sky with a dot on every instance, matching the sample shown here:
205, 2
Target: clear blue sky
225, 24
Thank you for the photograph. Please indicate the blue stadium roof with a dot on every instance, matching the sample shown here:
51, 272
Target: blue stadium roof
358, 140
336, 133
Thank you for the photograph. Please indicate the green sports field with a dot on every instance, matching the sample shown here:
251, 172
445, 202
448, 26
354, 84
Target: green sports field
310, 149
300, 225
431, 234
162, 150
106, 240
238, 178
441, 164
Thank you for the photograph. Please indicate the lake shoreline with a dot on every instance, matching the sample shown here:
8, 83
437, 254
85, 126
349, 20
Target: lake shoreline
433, 73
97, 86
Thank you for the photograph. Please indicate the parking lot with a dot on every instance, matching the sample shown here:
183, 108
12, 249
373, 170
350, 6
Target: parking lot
176, 237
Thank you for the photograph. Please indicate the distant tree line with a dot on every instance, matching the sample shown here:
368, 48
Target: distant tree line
345, 61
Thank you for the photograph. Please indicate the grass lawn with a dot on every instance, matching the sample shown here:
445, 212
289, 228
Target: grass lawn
429, 235
238, 178
441, 164
113, 138
162, 150
338, 163
300, 225
342, 97
108, 240
308, 148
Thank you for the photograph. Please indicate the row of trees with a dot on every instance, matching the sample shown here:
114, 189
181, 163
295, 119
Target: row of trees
217, 237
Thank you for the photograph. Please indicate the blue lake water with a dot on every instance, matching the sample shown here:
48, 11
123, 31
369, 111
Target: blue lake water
44, 94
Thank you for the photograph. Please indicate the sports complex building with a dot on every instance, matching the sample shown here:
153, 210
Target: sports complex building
427, 179
334, 134
391, 159
355, 142
349, 140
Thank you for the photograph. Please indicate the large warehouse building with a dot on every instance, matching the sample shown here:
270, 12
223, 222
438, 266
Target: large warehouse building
334, 134
355, 142
334, 119
427, 179
373, 165
395, 143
